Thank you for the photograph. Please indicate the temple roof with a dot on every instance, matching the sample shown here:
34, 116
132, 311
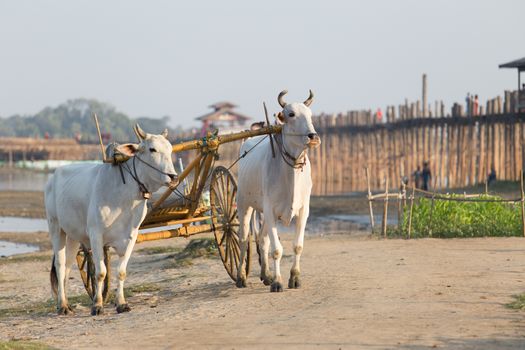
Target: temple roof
223, 112
223, 104
519, 63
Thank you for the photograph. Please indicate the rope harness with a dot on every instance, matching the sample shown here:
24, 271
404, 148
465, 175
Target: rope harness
291, 161
146, 194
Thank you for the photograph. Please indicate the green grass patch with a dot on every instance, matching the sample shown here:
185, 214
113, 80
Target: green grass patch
22, 345
196, 248
453, 219
141, 288
25, 258
159, 250
518, 303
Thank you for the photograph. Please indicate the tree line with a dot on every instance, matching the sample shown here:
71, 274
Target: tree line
73, 119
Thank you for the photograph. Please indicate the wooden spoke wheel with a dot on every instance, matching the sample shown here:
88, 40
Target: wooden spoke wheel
223, 191
87, 271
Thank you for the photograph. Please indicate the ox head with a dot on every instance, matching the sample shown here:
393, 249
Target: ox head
155, 150
297, 120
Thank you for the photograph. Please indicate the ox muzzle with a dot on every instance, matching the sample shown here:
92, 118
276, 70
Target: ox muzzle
313, 140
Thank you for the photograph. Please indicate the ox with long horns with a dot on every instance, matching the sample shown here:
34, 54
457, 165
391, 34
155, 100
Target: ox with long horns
279, 187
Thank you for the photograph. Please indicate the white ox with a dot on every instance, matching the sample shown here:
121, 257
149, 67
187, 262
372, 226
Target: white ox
279, 187
90, 204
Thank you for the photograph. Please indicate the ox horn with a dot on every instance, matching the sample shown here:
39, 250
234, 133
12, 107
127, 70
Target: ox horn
165, 133
309, 100
141, 134
280, 98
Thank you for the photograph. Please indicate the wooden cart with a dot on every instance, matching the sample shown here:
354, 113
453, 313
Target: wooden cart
192, 215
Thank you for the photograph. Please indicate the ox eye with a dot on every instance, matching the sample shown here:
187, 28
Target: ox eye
152, 150
291, 114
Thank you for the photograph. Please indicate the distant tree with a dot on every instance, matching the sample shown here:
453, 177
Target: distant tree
75, 117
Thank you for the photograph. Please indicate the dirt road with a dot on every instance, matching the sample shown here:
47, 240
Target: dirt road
357, 294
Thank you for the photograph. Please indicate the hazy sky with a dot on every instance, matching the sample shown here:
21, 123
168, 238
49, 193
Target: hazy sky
156, 58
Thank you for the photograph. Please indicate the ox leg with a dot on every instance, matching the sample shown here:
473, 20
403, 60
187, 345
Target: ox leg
264, 245
277, 250
245, 215
122, 305
58, 240
97, 247
294, 281
71, 253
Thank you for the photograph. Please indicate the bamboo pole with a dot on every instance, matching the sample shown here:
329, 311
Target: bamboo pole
385, 209
429, 228
174, 184
372, 223
400, 208
100, 139
522, 204
410, 212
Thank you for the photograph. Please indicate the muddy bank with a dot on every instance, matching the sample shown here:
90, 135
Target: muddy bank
29, 204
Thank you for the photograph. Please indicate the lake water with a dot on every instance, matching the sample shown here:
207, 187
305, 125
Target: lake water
22, 225
16, 224
10, 248
23, 181
35, 181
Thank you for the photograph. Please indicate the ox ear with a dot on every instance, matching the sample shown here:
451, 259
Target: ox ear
128, 149
165, 133
280, 118
141, 134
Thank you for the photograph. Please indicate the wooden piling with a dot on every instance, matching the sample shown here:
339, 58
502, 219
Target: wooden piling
385, 209
522, 204
410, 211
370, 207
429, 227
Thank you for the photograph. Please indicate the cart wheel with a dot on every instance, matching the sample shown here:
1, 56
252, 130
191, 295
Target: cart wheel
223, 190
87, 271
255, 228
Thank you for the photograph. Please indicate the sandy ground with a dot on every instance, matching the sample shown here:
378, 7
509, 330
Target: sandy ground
357, 293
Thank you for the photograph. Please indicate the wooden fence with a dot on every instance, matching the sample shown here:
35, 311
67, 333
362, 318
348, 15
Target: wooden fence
461, 145
460, 150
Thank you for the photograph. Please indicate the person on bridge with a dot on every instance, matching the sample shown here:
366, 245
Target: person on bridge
416, 176
475, 106
426, 174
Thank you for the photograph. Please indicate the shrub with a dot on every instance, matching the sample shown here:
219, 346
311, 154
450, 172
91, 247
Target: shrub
463, 219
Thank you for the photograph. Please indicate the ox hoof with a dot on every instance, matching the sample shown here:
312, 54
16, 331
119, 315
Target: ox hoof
294, 282
267, 280
276, 287
65, 311
123, 308
240, 283
97, 310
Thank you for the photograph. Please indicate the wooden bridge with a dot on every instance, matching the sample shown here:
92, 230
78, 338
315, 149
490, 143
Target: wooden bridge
20, 148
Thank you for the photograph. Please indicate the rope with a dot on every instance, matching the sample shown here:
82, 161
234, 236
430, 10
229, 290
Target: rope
435, 196
151, 166
142, 187
246, 152
284, 153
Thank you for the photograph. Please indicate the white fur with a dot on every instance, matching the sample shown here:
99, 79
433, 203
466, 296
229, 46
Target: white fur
90, 204
277, 190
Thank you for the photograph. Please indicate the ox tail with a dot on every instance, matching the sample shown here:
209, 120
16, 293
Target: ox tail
53, 278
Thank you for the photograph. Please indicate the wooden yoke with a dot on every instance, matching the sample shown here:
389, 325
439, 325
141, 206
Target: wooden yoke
213, 142
207, 144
